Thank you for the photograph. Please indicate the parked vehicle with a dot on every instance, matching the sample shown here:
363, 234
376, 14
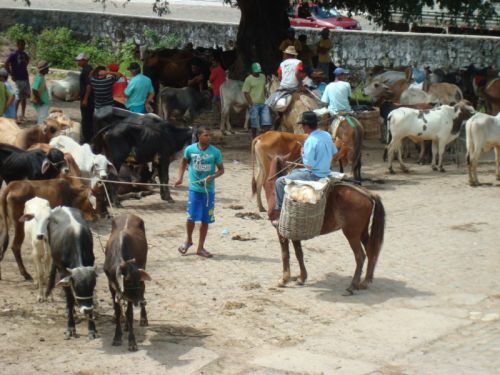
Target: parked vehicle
317, 16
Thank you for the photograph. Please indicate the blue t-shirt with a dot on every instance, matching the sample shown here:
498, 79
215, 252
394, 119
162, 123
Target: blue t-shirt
318, 152
202, 164
138, 89
337, 95
10, 111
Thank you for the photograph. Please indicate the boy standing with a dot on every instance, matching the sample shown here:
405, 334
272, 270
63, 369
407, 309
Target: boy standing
40, 97
17, 66
203, 160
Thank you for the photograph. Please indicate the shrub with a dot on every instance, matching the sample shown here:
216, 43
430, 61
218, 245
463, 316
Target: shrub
58, 47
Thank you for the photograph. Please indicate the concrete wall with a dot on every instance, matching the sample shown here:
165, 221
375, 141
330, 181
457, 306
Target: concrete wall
357, 49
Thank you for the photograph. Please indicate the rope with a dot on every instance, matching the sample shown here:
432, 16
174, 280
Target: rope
109, 201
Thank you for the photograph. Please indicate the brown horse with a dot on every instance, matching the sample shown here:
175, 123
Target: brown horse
351, 209
347, 133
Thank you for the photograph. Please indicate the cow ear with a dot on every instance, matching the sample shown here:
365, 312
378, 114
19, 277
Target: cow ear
26, 217
144, 275
64, 281
45, 166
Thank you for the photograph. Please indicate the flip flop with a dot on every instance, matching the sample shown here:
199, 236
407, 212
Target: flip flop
204, 253
184, 248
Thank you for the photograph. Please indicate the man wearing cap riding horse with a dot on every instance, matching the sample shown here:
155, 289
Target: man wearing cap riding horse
40, 94
337, 93
254, 89
317, 155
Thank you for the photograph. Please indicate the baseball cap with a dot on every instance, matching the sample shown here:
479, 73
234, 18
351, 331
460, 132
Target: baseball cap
256, 68
339, 71
114, 67
82, 56
42, 65
309, 118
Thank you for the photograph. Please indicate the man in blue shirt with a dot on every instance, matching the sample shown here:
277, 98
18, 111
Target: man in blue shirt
203, 159
140, 92
317, 155
337, 93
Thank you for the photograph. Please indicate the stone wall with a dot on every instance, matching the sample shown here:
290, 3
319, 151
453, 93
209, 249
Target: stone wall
356, 49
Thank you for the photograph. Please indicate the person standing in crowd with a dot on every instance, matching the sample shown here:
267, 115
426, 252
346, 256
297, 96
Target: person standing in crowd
290, 41
216, 79
205, 165
40, 93
324, 47
317, 155
119, 97
254, 89
86, 98
337, 93
197, 75
290, 70
17, 67
305, 54
140, 92
7, 98
101, 83
318, 82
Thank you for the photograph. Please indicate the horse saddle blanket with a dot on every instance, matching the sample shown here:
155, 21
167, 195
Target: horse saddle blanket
279, 100
306, 191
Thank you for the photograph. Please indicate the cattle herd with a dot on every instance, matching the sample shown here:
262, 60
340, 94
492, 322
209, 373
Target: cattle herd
55, 185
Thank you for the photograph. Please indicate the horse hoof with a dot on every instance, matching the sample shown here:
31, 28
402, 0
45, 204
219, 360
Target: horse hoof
143, 323
300, 282
282, 284
434, 168
441, 170
70, 332
170, 200
348, 292
27, 277
92, 335
116, 342
406, 170
132, 347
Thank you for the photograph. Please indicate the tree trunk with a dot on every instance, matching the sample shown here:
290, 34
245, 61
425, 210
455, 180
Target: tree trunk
263, 25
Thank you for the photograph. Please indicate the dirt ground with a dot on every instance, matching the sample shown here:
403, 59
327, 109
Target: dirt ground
433, 307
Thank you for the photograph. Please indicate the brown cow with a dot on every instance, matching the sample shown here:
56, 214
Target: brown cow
59, 192
125, 264
12, 134
266, 147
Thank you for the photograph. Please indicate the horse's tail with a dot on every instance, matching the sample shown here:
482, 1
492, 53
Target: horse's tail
376, 237
358, 143
254, 181
4, 232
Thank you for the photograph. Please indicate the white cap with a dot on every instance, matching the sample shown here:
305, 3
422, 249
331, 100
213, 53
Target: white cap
82, 56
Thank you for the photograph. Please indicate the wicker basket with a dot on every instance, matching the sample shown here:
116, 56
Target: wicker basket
301, 221
371, 123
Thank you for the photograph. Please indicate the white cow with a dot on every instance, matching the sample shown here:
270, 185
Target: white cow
67, 89
440, 125
95, 166
232, 97
36, 215
483, 133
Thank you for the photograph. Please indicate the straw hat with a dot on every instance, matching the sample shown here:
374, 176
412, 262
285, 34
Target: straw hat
290, 50
42, 65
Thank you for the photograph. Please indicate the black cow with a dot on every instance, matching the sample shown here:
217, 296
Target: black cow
124, 265
186, 100
17, 164
148, 136
72, 252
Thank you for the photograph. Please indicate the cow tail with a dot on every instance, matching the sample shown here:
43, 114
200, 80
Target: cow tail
254, 181
376, 237
4, 232
388, 138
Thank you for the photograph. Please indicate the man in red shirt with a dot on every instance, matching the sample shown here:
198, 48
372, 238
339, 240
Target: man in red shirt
119, 97
217, 78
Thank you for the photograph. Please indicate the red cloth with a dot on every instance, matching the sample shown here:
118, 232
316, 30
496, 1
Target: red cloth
114, 67
118, 89
217, 78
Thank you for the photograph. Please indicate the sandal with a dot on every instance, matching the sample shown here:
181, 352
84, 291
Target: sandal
204, 253
184, 248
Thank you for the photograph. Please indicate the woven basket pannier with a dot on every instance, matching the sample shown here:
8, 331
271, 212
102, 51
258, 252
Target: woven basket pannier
301, 221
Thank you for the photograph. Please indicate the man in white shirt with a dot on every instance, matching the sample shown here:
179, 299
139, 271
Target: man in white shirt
290, 70
337, 93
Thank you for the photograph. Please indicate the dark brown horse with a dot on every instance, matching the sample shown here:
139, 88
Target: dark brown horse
348, 137
349, 208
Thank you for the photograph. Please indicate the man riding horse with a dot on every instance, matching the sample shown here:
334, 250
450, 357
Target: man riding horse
318, 152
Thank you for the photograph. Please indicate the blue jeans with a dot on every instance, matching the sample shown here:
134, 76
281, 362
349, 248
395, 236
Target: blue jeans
297, 174
259, 114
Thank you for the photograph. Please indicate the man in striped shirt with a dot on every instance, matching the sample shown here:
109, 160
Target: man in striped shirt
101, 82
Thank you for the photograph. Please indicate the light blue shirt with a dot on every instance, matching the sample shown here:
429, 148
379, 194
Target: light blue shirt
202, 164
138, 89
10, 111
318, 152
337, 95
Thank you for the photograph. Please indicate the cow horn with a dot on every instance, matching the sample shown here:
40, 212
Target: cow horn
70, 270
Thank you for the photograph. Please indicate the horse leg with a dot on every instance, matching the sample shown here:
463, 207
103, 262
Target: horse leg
16, 249
285, 257
297, 245
359, 255
371, 263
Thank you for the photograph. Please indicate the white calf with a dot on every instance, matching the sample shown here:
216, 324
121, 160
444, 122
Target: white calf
35, 218
440, 125
232, 97
95, 166
483, 133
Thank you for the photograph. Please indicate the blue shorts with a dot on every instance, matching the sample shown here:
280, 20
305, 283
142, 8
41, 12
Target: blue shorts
259, 114
200, 207
137, 108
